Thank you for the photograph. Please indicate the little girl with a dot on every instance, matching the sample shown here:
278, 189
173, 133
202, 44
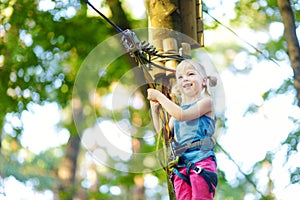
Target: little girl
193, 124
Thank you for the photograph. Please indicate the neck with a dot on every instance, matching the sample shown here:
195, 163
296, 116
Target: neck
188, 100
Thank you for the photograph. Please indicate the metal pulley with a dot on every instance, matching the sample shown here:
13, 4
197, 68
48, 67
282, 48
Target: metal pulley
132, 44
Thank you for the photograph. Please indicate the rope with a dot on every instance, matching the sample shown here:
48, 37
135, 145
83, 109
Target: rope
240, 170
248, 43
217, 144
104, 17
164, 135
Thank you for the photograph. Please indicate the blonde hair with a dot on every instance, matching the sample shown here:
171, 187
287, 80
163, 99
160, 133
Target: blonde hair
211, 80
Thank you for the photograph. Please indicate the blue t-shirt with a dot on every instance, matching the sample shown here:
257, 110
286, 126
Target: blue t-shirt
193, 130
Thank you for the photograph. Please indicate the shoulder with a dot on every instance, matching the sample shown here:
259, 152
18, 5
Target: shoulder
205, 106
206, 101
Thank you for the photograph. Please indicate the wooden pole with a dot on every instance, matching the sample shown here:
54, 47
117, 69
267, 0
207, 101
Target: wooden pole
175, 27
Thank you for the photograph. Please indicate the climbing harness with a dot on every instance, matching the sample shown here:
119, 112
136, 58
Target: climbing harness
211, 178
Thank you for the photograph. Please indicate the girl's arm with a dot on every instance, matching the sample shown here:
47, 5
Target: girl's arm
202, 107
155, 117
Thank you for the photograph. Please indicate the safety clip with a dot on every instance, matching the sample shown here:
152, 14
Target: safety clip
198, 169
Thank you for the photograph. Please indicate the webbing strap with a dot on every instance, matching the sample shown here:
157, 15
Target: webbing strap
183, 177
211, 178
205, 142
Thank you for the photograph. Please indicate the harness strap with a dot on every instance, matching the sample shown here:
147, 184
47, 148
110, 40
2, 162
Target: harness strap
205, 142
211, 178
183, 177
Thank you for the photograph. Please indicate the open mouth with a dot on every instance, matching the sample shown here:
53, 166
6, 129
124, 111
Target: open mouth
187, 85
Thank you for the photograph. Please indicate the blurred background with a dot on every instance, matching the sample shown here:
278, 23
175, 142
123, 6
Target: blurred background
46, 155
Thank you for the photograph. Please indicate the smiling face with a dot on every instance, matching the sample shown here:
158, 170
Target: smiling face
189, 81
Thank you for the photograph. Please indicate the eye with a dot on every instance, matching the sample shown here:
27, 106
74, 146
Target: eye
179, 77
191, 73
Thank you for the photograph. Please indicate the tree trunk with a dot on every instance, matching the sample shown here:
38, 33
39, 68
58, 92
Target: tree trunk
293, 48
175, 26
67, 170
183, 16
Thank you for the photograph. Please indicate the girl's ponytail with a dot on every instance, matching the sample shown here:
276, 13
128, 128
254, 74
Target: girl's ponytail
212, 81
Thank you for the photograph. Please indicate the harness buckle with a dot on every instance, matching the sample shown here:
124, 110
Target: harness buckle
197, 169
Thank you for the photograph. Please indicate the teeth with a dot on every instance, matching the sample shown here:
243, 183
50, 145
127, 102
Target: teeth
187, 85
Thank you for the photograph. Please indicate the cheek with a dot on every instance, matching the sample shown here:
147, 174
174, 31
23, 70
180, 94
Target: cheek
197, 81
198, 84
179, 82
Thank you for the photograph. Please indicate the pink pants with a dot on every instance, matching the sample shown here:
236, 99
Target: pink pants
199, 190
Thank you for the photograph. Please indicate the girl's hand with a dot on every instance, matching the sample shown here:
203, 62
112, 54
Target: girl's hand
153, 94
154, 105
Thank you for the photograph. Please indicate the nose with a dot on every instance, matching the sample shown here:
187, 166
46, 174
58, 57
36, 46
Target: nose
185, 78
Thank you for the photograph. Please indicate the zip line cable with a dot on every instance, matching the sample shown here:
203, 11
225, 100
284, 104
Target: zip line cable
239, 168
267, 57
243, 40
102, 15
131, 42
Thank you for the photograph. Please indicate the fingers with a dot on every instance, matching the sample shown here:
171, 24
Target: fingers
154, 103
151, 94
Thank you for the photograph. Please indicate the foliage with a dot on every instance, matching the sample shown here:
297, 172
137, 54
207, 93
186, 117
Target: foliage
41, 52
